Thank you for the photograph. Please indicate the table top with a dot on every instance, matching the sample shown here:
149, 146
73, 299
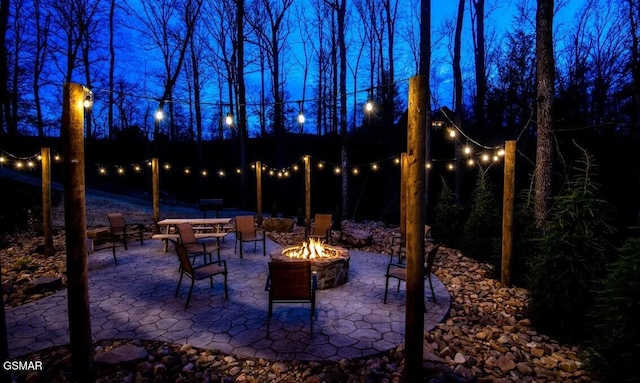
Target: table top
195, 221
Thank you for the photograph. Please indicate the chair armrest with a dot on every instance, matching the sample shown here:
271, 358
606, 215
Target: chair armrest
314, 281
395, 265
396, 238
219, 262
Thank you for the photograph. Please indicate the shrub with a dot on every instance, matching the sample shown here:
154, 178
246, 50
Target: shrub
571, 256
525, 237
448, 218
481, 232
615, 336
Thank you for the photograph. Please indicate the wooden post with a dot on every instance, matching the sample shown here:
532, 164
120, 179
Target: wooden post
49, 250
414, 325
403, 196
507, 210
76, 233
155, 184
307, 195
259, 191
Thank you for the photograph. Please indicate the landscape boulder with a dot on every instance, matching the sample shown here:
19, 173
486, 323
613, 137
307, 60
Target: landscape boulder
126, 353
356, 238
278, 225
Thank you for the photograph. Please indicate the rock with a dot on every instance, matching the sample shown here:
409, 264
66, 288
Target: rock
356, 238
505, 364
278, 225
126, 353
279, 368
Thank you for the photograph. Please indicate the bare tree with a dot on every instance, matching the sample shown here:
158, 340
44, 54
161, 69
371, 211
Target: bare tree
478, 18
457, 81
112, 67
42, 23
340, 9
5, 113
544, 117
220, 20
270, 23
168, 26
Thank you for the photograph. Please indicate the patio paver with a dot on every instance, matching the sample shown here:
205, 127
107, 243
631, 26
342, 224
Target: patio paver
136, 300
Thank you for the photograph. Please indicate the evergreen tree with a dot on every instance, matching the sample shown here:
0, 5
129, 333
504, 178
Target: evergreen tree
572, 254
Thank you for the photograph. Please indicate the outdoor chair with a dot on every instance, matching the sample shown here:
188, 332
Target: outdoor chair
398, 244
246, 231
291, 282
399, 272
121, 232
208, 270
194, 246
321, 228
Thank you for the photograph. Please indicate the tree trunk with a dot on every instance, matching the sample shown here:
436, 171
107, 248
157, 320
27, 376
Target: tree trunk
457, 81
112, 67
5, 111
342, 44
481, 79
544, 117
425, 69
242, 107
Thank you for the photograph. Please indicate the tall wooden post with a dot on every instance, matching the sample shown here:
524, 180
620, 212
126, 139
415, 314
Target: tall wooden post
403, 196
76, 232
259, 191
507, 211
307, 195
45, 153
155, 185
414, 326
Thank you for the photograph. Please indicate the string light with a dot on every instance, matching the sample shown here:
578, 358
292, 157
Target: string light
336, 170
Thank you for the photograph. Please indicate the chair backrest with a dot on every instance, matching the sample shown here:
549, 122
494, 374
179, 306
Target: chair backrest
245, 224
290, 280
116, 221
186, 232
183, 257
322, 223
431, 257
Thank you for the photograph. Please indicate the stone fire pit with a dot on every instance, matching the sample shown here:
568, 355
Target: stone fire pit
332, 269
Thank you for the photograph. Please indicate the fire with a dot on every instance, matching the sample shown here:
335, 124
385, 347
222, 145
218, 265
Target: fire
308, 250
